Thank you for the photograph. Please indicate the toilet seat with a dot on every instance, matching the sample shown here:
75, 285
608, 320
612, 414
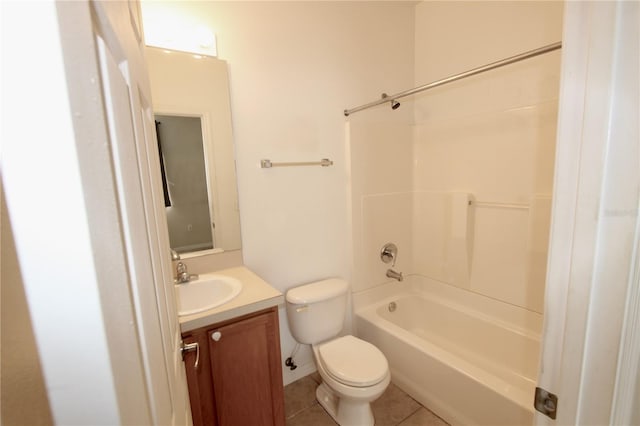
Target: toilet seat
353, 362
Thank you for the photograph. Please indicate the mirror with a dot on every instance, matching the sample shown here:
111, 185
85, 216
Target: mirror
193, 123
189, 212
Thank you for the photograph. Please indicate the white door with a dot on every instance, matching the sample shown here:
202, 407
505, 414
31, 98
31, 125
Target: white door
591, 337
81, 174
127, 97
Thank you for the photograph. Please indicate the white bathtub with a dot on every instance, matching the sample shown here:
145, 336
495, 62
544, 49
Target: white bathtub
470, 359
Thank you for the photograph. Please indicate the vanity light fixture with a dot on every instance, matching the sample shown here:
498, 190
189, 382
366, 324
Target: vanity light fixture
200, 41
206, 38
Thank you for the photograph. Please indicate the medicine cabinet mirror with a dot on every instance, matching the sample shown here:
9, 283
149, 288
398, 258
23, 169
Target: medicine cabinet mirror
193, 123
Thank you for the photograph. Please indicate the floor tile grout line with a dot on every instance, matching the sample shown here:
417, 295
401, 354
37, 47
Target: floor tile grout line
290, 416
411, 414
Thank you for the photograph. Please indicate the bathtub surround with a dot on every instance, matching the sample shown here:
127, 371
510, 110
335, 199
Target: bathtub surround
464, 190
491, 135
488, 139
496, 250
443, 237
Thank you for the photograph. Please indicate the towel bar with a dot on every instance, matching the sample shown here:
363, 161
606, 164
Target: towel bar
267, 164
499, 205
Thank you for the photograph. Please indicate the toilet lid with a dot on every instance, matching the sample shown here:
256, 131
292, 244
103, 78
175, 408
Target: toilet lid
353, 362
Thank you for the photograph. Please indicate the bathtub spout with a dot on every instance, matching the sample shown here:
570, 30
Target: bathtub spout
395, 275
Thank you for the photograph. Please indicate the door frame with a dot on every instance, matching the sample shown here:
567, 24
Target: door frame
592, 279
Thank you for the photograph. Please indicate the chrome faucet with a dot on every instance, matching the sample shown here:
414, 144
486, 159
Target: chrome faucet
182, 276
388, 254
395, 275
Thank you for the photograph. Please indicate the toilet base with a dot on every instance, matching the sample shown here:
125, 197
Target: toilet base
344, 411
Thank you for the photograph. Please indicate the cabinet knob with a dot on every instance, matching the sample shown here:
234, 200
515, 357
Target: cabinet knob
216, 335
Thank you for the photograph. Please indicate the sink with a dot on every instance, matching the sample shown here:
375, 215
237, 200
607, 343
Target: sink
207, 292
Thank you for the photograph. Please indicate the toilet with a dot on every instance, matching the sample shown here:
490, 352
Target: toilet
354, 372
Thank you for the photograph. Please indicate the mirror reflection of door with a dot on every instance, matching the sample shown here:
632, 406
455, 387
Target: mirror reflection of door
184, 174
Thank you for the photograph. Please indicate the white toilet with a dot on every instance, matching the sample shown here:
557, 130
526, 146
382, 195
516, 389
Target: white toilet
354, 372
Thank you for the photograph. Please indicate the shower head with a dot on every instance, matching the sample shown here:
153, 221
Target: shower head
394, 104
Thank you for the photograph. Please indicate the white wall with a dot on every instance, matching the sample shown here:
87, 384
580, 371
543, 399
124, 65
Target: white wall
294, 67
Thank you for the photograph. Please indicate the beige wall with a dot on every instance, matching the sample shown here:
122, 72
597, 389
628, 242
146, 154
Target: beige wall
22, 388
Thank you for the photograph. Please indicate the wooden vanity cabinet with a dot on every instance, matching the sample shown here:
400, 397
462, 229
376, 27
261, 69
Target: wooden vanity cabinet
238, 380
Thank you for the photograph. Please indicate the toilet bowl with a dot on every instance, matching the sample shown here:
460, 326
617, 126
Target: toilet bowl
354, 372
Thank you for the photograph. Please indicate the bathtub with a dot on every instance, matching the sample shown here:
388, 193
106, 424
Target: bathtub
470, 359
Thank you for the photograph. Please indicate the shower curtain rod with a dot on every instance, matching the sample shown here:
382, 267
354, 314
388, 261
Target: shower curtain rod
488, 67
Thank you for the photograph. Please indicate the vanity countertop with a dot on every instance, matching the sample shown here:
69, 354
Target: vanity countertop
255, 295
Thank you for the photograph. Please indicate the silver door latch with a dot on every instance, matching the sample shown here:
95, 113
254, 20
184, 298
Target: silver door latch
186, 347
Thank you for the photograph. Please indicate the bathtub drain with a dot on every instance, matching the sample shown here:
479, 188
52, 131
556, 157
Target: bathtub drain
392, 306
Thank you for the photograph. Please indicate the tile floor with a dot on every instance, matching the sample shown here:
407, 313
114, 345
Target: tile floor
393, 408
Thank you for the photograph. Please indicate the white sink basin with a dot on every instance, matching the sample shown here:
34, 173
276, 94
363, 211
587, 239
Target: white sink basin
208, 291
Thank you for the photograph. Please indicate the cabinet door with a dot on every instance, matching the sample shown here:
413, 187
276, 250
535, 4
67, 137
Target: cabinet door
201, 398
246, 371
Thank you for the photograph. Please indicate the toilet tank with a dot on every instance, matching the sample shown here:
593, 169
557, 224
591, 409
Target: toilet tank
316, 311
